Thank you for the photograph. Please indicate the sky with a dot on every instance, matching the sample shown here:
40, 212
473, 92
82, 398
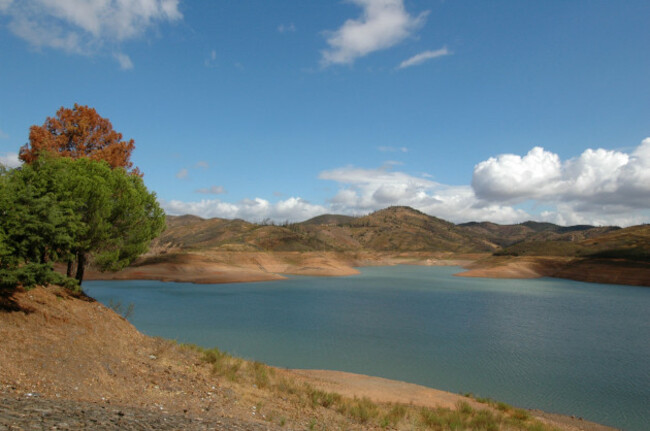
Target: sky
501, 111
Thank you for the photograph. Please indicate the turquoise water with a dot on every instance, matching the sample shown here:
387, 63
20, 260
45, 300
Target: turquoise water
562, 346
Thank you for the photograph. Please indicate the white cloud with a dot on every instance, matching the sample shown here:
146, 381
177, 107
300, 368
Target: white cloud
4, 5
291, 209
423, 56
124, 60
84, 26
3, 135
365, 190
290, 28
510, 177
182, 174
388, 149
10, 160
211, 60
202, 164
598, 187
213, 190
597, 177
383, 24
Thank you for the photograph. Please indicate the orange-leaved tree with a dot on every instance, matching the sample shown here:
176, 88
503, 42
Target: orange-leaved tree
79, 132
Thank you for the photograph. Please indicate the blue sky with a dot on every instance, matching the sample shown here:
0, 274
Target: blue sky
503, 110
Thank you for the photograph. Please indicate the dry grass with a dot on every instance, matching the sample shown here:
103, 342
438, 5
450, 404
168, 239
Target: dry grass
332, 410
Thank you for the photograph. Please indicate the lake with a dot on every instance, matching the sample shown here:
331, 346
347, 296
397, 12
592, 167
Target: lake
568, 347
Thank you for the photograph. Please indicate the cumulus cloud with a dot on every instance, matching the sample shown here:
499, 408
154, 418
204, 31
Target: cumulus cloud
422, 57
291, 209
598, 187
510, 177
202, 164
10, 160
597, 177
213, 190
365, 190
84, 26
383, 24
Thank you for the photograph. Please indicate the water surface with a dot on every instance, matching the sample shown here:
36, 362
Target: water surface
562, 346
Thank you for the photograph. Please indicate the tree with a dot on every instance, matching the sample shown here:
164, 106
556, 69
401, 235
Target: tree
122, 215
79, 132
37, 225
66, 210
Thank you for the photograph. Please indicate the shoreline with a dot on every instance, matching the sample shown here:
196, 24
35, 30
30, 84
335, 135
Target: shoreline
244, 267
108, 361
383, 390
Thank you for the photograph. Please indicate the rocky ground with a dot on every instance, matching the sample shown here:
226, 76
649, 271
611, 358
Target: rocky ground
31, 412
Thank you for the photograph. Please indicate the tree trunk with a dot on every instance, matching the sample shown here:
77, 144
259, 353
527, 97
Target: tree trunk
81, 265
70, 267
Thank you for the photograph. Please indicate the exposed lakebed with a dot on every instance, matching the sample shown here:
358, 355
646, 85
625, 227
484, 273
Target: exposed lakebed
562, 346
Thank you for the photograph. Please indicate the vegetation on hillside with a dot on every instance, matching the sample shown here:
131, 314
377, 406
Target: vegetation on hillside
363, 411
631, 243
394, 229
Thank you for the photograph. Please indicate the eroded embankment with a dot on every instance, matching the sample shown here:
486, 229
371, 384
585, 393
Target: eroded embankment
210, 267
233, 267
611, 271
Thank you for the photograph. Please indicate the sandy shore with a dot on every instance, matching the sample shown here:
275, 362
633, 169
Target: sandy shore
390, 391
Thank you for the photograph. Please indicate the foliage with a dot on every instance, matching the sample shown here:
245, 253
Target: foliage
79, 132
37, 225
58, 209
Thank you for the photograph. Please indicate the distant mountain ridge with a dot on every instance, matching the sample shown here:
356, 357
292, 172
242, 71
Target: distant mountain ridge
393, 229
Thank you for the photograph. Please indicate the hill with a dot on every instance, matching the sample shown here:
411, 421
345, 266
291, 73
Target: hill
530, 231
394, 229
631, 243
220, 250
328, 219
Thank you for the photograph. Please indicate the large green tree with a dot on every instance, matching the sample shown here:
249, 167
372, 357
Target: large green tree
61, 209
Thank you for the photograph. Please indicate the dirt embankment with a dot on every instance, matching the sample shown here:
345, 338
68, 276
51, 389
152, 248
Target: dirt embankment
210, 267
66, 357
241, 266
612, 271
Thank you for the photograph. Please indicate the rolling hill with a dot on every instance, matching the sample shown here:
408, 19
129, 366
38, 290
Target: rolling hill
221, 250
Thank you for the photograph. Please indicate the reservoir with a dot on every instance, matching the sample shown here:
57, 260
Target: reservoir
562, 346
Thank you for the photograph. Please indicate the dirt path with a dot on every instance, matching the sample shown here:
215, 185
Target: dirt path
34, 413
